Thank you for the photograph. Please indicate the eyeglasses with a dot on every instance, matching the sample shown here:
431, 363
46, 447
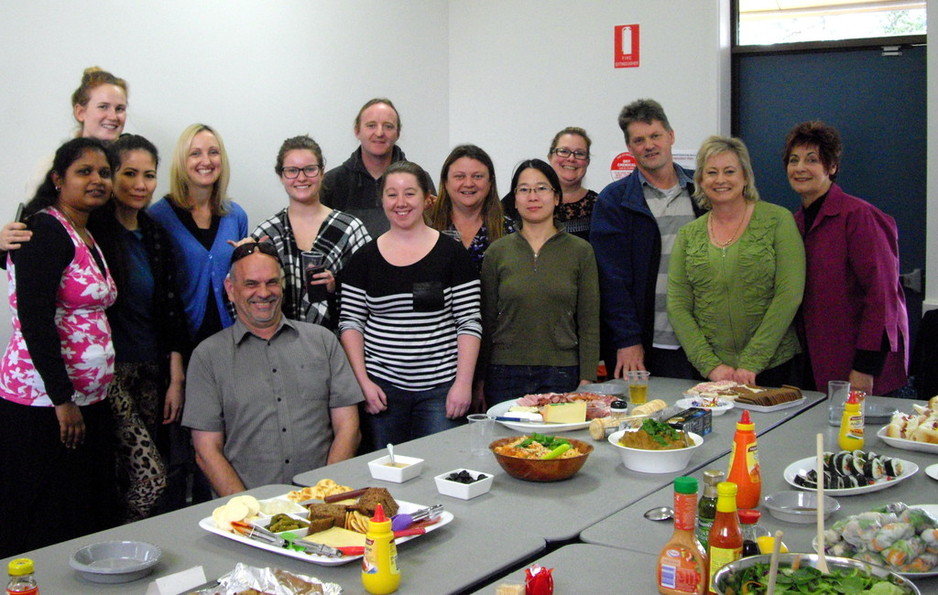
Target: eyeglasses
249, 248
540, 190
311, 171
564, 153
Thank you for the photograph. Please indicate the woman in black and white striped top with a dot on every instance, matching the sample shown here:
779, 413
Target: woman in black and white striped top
410, 318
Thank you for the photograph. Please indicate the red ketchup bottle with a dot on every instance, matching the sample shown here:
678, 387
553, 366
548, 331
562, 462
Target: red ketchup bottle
726, 536
744, 464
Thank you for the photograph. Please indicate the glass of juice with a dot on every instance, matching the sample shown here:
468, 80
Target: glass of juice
638, 386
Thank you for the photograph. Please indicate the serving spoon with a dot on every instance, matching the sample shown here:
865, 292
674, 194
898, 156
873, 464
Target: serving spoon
391, 453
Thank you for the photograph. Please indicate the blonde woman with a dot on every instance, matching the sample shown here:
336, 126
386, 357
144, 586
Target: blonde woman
200, 220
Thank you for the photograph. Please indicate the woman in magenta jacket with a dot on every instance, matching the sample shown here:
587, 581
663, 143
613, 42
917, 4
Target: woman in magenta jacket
854, 321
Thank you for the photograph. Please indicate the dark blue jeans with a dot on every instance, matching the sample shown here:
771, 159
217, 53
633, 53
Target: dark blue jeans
503, 383
410, 414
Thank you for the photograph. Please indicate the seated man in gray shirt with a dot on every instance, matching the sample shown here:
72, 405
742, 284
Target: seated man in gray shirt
268, 397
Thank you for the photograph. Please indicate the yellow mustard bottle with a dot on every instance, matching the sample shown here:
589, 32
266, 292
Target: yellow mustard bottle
851, 425
380, 574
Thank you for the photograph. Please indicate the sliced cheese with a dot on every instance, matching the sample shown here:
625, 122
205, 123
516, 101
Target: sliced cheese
564, 413
337, 537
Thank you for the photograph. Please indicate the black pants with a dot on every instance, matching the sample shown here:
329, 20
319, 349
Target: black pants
50, 493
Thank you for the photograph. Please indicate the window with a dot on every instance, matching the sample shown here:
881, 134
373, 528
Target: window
767, 22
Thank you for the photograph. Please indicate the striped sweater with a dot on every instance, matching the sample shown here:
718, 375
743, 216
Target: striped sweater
410, 316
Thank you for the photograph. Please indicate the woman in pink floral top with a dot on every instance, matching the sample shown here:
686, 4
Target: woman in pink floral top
56, 448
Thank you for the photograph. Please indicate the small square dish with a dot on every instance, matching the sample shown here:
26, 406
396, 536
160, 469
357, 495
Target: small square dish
404, 468
464, 491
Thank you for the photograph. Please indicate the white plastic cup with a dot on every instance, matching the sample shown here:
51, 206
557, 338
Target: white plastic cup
837, 393
481, 426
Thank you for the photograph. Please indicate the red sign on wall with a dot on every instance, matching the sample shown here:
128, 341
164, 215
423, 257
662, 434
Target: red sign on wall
622, 165
626, 45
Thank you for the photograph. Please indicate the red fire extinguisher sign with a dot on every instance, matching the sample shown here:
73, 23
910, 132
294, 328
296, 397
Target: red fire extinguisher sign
626, 46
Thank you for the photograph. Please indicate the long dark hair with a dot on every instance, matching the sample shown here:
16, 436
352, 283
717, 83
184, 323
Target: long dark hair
47, 195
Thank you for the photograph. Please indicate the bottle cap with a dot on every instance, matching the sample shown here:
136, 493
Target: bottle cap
379, 515
727, 488
749, 516
852, 398
713, 476
745, 422
685, 485
20, 567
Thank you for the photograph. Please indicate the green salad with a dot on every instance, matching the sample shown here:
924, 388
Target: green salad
754, 581
550, 442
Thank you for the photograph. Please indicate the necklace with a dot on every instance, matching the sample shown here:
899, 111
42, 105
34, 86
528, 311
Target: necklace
79, 230
713, 236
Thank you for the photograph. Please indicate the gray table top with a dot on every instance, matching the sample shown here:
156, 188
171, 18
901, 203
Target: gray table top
778, 448
427, 563
555, 512
583, 568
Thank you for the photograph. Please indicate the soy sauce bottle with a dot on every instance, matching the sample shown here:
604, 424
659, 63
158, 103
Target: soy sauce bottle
748, 519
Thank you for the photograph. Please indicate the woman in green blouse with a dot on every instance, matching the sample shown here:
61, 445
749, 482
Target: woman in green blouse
736, 274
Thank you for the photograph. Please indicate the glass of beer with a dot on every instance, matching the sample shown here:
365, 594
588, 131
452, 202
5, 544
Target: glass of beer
314, 262
638, 386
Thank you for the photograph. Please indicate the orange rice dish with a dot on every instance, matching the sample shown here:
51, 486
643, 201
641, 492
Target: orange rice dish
535, 450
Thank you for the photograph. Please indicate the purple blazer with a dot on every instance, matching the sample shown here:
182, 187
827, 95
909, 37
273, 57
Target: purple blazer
852, 295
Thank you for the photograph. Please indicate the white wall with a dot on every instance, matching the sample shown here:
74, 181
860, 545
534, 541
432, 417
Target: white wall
519, 71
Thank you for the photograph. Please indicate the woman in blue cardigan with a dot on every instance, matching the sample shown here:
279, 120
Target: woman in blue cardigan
200, 219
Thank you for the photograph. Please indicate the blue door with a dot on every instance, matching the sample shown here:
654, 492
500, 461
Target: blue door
876, 102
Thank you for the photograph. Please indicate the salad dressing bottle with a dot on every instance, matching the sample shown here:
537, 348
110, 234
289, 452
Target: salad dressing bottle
726, 536
682, 563
744, 464
380, 574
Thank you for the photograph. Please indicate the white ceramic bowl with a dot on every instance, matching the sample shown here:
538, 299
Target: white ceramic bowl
655, 461
115, 561
411, 468
798, 507
464, 491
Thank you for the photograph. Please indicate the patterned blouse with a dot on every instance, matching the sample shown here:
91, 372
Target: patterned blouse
576, 216
84, 292
340, 236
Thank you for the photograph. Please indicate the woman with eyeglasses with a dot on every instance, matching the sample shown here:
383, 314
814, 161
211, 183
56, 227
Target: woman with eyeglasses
309, 229
468, 207
200, 220
540, 298
410, 320
57, 443
569, 155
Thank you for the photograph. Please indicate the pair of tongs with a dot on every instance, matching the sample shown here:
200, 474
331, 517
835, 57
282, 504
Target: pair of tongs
399, 522
264, 536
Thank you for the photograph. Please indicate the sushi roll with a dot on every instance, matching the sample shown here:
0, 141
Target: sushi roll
805, 481
843, 463
893, 467
873, 468
859, 459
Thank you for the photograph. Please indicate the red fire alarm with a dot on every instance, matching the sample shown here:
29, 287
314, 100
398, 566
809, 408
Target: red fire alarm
626, 46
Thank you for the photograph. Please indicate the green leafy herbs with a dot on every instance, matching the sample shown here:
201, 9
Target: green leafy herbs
550, 442
660, 432
754, 581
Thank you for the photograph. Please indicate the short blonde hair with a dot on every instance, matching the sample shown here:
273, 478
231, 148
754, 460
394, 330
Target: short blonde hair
715, 145
179, 180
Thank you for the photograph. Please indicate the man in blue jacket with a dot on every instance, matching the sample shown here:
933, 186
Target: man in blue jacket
635, 221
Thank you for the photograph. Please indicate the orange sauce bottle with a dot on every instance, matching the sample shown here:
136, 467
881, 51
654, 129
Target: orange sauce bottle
726, 536
744, 464
682, 563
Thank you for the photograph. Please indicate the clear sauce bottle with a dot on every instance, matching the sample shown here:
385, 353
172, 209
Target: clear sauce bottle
22, 580
726, 536
682, 563
707, 508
